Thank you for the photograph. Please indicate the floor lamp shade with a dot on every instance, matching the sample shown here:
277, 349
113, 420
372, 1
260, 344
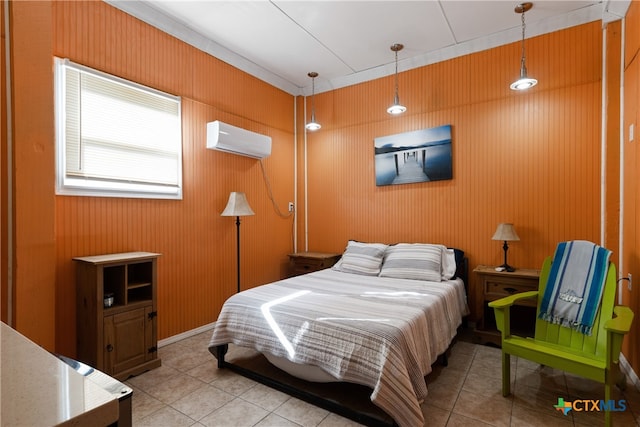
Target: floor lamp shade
237, 206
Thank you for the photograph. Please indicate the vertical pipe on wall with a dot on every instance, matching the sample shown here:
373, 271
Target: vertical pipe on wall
603, 141
9, 252
295, 176
306, 198
622, 157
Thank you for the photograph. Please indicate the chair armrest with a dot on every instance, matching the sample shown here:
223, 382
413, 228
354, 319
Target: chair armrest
620, 324
512, 299
616, 329
501, 309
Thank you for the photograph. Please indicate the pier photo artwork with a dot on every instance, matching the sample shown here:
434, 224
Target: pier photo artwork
417, 156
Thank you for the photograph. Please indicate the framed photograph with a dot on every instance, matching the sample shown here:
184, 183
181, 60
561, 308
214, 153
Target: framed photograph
418, 156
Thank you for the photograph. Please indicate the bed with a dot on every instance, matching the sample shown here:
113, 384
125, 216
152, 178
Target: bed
379, 318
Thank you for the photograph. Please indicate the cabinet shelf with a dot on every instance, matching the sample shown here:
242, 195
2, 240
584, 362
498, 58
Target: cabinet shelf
120, 340
116, 309
138, 285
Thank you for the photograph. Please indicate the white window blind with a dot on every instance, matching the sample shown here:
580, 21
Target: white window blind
114, 137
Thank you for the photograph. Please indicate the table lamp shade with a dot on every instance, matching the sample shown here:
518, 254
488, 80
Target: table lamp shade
505, 232
237, 205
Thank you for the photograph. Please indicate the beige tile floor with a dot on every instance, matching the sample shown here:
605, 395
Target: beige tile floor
189, 390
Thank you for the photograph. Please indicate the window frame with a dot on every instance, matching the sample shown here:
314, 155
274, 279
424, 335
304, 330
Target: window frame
86, 186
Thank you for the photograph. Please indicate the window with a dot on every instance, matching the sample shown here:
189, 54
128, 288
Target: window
114, 137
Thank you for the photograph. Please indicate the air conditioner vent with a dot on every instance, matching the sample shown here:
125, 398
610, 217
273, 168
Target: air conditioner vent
224, 137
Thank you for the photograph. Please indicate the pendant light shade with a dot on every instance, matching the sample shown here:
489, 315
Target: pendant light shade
524, 82
313, 125
396, 108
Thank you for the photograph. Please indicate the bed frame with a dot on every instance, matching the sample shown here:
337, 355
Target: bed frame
314, 399
309, 397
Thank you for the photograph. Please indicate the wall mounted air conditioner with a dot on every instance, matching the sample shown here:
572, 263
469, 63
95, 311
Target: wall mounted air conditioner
224, 137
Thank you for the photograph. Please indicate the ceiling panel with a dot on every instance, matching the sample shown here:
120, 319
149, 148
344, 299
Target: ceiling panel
348, 42
360, 33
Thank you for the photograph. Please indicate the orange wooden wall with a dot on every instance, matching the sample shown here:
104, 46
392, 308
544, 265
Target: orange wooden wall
197, 268
631, 199
531, 158
32, 197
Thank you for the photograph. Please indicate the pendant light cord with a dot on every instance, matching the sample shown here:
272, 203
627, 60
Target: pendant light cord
396, 108
313, 99
524, 82
522, 59
313, 125
396, 98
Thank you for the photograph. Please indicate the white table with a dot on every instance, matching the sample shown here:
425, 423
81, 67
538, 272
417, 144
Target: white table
37, 388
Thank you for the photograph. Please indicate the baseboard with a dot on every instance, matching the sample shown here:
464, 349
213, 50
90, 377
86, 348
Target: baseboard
187, 334
471, 325
626, 368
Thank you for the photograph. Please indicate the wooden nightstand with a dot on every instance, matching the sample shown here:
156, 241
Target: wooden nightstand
306, 262
494, 285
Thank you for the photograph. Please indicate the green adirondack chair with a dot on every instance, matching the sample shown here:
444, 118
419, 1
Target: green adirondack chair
594, 357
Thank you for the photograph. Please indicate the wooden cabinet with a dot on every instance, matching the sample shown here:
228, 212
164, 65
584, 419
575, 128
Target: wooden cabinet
493, 285
306, 262
116, 313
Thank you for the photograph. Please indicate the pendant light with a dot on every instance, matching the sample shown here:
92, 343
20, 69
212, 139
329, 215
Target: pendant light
313, 125
396, 108
524, 82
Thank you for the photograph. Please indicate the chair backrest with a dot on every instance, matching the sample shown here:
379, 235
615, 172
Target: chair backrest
595, 343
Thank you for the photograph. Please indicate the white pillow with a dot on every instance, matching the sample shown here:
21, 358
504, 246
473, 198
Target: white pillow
413, 261
448, 263
362, 258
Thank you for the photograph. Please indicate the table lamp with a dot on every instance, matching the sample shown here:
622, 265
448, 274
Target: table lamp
506, 233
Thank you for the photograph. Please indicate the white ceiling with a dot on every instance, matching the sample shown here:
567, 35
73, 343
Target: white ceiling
348, 42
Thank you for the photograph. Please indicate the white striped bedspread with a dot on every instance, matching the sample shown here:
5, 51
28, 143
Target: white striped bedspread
380, 332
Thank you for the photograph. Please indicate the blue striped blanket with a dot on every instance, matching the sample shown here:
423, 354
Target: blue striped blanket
576, 281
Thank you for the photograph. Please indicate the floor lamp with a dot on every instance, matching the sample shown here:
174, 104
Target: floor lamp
237, 206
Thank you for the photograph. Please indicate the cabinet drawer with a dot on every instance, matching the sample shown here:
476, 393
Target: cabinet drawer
308, 265
310, 261
496, 289
304, 268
